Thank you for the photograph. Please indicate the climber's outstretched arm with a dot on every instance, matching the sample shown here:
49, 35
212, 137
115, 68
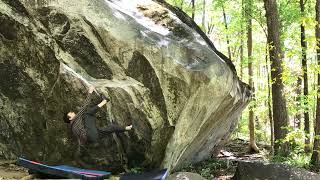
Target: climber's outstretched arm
93, 110
103, 102
86, 103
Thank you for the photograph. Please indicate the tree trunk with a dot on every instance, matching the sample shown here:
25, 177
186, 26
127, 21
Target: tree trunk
297, 117
193, 9
315, 158
241, 45
241, 41
279, 108
241, 58
305, 81
226, 26
269, 105
204, 16
252, 143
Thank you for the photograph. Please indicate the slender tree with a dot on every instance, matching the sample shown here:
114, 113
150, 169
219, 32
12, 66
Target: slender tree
210, 27
315, 158
297, 117
241, 40
241, 58
204, 15
269, 102
305, 78
226, 26
193, 9
252, 143
279, 108
181, 4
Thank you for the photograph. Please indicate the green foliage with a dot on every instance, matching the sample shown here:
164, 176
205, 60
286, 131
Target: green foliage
295, 138
209, 168
289, 13
297, 160
297, 156
137, 170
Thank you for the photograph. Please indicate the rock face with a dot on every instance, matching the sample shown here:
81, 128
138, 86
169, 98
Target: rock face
162, 74
258, 170
185, 176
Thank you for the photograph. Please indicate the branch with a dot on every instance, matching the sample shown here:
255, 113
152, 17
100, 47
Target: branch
261, 25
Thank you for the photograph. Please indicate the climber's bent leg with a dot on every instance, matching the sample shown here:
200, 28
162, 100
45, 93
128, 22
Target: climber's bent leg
103, 132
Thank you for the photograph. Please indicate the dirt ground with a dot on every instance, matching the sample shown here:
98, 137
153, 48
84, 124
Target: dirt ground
8, 170
235, 150
224, 165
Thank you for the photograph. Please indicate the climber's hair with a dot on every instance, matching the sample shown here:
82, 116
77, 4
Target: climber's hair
66, 117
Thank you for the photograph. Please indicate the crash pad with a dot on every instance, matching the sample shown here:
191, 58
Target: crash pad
62, 171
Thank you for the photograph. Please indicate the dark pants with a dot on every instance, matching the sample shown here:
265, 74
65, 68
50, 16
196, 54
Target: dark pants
105, 131
94, 133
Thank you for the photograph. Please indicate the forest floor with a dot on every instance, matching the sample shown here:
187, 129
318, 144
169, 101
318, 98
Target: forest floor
224, 165
218, 168
8, 170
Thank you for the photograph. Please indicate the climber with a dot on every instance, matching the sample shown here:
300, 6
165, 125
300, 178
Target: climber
83, 125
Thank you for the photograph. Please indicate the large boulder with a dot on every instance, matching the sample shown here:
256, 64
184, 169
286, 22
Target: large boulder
162, 73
